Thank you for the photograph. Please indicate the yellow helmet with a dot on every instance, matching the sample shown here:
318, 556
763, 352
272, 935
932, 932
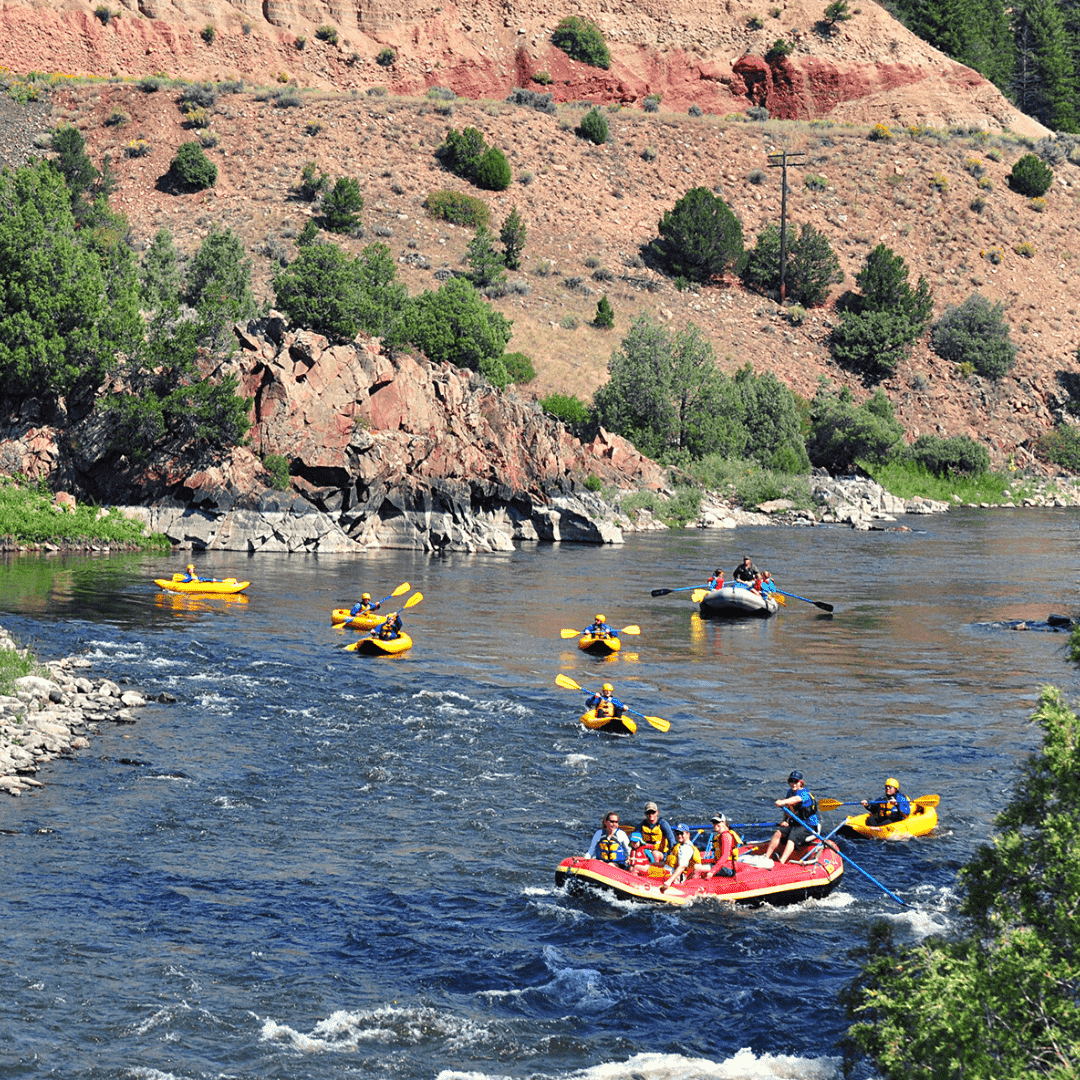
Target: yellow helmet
608, 688
366, 596
893, 782
191, 566
600, 618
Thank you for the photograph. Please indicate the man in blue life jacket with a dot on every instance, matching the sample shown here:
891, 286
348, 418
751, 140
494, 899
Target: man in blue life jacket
191, 575
605, 703
894, 807
609, 842
390, 628
800, 811
600, 628
364, 606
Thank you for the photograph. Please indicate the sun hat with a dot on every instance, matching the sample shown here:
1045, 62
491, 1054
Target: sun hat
651, 806
635, 838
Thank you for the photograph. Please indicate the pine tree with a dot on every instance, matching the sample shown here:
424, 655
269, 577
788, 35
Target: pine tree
512, 235
1045, 82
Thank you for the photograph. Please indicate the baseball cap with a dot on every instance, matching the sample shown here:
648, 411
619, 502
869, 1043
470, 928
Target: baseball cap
635, 838
719, 817
682, 827
651, 806
794, 775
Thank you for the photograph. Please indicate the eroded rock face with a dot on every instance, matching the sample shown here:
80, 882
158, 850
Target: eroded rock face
383, 452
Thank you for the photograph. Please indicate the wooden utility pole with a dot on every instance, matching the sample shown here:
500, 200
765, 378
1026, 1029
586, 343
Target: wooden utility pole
781, 161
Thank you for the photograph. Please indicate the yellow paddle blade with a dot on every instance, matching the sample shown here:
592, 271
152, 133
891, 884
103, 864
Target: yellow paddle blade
628, 724
698, 595
659, 723
632, 630
928, 800
404, 587
569, 633
829, 804
413, 600
780, 599
565, 680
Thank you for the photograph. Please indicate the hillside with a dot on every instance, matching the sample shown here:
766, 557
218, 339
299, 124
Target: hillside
590, 209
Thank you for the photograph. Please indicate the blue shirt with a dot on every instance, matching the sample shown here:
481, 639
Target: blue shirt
802, 811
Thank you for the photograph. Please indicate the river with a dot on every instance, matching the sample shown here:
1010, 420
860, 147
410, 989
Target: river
321, 865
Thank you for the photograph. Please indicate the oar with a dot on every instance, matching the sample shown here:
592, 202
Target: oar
699, 594
404, 587
657, 722
817, 603
835, 804
681, 588
847, 858
633, 630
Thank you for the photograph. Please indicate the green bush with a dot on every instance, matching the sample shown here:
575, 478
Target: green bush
160, 274
605, 317
462, 151
512, 236
338, 296
1031, 176
458, 208
842, 434
191, 169
455, 324
519, 367
218, 286
700, 237
493, 170
386, 58
975, 332
582, 40
72, 161
878, 327
278, 467
959, 455
486, 266
312, 182
812, 265
778, 50
342, 206
328, 34
594, 127
571, 410
1061, 447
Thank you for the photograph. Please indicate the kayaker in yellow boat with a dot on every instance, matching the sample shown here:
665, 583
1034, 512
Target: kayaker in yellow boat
600, 628
605, 704
609, 842
390, 629
724, 844
684, 858
803, 811
657, 835
365, 605
894, 807
190, 575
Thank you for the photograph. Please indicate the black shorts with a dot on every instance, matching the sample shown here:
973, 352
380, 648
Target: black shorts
798, 834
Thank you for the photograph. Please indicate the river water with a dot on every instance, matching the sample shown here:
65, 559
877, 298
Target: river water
317, 864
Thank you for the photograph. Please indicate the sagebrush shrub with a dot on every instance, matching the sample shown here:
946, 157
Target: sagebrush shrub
328, 34
975, 332
533, 99
457, 208
594, 127
582, 40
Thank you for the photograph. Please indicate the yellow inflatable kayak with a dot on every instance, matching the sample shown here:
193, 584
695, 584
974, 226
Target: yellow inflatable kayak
177, 584
366, 620
921, 820
376, 646
616, 725
599, 644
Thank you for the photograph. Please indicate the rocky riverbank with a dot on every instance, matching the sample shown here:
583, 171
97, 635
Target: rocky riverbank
53, 715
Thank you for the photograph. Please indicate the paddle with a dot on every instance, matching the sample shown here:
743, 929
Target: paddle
817, 603
633, 630
847, 858
404, 587
835, 804
657, 722
681, 588
699, 594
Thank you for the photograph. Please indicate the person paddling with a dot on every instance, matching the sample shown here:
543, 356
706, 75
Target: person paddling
894, 807
793, 831
600, 628
364, 606
390, 628
605, 703
191, 575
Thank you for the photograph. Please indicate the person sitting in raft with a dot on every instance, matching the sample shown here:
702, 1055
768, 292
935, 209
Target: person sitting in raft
756, 587
605, 703
365, 605
801, 807
683, 858
716, 581
600, 628
390, 628
723, 845
746, 571
767, 583
609, 842
191, 575
640, 856
657, 835
894, 807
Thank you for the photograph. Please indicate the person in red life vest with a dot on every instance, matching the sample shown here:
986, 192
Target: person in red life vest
683, 858
657, 835
756, 586
716, 581
609, 842
640, 857
724, 844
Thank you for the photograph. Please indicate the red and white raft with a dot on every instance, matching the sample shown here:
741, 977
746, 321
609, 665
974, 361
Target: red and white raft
812, 872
